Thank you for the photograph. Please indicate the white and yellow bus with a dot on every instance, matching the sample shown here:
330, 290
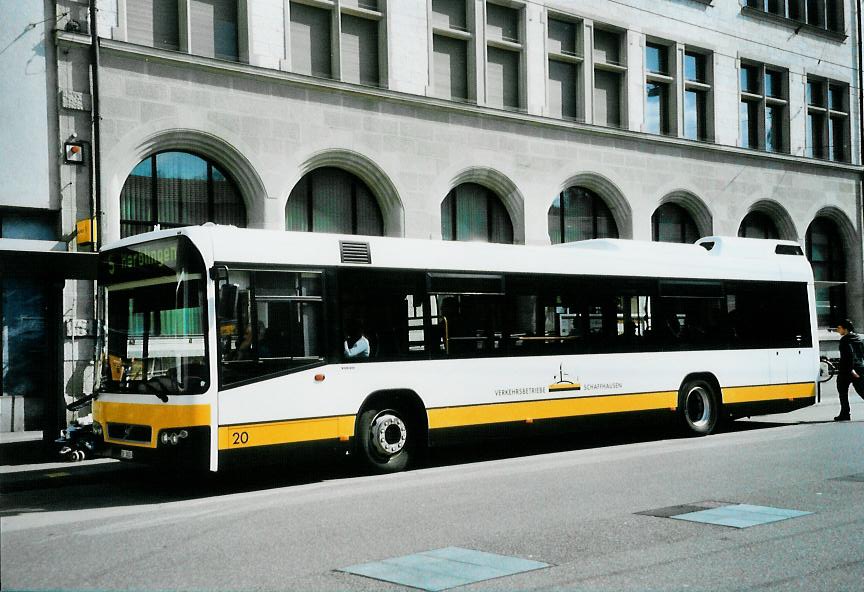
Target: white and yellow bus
222, 344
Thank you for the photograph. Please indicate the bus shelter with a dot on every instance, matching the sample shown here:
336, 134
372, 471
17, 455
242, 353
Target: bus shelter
32, 277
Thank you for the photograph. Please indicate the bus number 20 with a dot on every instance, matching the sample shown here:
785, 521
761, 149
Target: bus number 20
240, 438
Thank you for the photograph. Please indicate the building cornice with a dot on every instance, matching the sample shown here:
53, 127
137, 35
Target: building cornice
123, 49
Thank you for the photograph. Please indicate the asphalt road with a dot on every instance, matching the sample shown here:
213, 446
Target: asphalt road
572, 503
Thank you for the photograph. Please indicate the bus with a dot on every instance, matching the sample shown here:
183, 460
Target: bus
224, 345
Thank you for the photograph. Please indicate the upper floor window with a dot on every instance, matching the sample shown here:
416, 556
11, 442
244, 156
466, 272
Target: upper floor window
343, 43
504, 56
610, 71
362, 28
697, 95
471, 212
154, 23
577, 214
311, 40
659, 89
824, 14
452, 44
213, 28
764, 108
566, 75
333, 200
172, 189
827, 119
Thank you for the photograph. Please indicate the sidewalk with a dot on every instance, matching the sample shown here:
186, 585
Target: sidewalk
27, 462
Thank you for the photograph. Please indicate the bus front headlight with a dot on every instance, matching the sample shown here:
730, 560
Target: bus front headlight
172, 437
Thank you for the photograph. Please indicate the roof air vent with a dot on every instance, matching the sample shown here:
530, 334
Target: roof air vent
707, 245
355, 252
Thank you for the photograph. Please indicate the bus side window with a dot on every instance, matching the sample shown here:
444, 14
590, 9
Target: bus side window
277, 327
467, 325
388, 307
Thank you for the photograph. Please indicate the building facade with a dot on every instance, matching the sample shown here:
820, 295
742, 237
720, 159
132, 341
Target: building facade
532, 122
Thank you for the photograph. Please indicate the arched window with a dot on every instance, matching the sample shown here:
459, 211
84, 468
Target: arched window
673, 224
333, 200
758, 225
825, 252
172, 189
471, 212
580, 214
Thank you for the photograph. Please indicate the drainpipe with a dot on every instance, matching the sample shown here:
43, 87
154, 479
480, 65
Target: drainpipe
860, 201
860, 80
96, 203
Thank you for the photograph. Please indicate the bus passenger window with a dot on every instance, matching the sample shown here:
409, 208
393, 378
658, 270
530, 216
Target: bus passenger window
387, 305
277, 326
467, 325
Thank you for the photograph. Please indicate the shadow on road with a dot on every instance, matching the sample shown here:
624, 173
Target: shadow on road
140, 485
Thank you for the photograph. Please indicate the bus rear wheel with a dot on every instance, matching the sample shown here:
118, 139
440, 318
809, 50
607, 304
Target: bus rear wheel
385, 440
698, 407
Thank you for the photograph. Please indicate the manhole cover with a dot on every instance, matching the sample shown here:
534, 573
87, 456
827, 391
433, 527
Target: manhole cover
441, 569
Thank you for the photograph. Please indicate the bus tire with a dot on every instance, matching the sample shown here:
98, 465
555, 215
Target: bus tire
386, 439
698, 407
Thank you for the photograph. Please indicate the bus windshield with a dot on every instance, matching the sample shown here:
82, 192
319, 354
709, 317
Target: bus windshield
155, 340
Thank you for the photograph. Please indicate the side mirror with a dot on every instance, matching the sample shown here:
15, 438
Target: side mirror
227, 305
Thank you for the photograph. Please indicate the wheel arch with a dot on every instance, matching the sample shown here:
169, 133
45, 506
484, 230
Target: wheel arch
405, 399
708, 377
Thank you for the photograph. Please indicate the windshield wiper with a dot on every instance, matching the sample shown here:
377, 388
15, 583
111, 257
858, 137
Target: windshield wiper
155, 386
76, 405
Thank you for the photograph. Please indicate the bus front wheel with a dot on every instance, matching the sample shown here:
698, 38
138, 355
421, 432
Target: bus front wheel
385, 440
698, 407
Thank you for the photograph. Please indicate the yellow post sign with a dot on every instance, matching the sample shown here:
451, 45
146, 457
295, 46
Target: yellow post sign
85, 232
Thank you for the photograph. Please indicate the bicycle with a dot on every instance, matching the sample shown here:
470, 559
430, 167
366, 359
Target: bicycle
827, 369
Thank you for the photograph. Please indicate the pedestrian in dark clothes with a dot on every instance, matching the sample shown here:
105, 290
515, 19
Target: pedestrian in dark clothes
851, 368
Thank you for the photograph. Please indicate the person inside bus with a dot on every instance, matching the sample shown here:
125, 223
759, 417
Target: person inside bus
244, 345
356, 345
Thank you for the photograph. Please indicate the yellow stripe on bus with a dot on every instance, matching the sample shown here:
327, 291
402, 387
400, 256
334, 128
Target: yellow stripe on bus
286, 432
342, 427
772, 392
158, 417
449, 417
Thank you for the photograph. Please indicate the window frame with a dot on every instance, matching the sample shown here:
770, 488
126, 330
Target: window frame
464, 35
491, 196
618, 69
759, 100
575, 60
655, 223
507, 46
323, 334
822, 109
337, 9
309, 198
827, 18
596, 199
